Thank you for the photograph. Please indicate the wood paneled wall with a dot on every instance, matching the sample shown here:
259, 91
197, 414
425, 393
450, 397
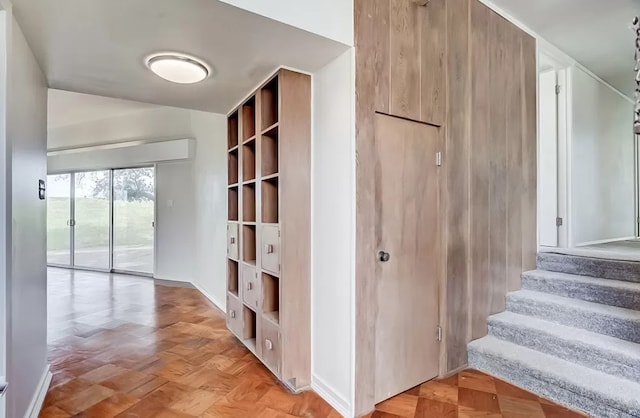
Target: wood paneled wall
458, 65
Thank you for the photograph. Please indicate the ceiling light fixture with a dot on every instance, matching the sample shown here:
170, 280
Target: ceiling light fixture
178, 68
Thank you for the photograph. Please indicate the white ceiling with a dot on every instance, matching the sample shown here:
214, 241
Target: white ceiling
68, 108
98, 47
596, 33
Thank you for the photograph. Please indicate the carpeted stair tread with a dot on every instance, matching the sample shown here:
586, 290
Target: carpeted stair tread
589, 266
607, 354
573, 385
604, 291
608, 320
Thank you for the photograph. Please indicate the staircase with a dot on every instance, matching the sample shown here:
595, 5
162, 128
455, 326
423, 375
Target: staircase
572, 334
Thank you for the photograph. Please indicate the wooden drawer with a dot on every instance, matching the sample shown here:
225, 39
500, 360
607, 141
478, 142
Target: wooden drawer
271, 249
232, 241
271, 345
250, 286
234, 315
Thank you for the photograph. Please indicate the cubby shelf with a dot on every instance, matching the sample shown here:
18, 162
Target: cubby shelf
269, 171
270, 130
232, 277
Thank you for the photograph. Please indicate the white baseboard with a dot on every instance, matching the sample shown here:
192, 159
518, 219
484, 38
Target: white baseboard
209, 296
38, 398
328, 393
604, 241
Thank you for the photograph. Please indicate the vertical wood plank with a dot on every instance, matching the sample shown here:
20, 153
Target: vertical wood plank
514, 156
432, 40
368, 32
457, 188
529, 153
379, 36
479, 205
295, 230
404, 55
498, 166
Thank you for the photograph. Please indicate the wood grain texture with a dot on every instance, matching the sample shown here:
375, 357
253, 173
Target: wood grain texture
295, 225
480, 210
433, 46
408, 200
404, 58
476, 79
457, 188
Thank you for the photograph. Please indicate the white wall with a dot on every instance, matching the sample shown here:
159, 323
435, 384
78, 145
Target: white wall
191, 195
333, 232
332, 19
26, 229
602, 161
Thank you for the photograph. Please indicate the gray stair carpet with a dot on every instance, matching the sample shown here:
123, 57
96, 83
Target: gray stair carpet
600, 352
572, 334
608, 320
588, 266
582, 388
605, 291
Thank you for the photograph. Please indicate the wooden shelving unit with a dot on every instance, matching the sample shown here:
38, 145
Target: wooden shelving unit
268, 298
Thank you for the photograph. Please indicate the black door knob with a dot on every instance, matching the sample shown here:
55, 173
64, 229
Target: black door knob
384, 256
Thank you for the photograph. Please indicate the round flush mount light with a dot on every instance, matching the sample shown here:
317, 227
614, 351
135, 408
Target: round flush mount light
178, 68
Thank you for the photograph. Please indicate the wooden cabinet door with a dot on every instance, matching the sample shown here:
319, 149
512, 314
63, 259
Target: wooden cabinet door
271, 350
271, 249
232, 241
234, 315
250, 286
409, 254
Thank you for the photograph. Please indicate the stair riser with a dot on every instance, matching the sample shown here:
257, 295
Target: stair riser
624, 329
575, 351
547, 386
594, 267
622, 298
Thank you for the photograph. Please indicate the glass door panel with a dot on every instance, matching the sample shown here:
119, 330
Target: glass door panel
92, 213
133, 219
59, 219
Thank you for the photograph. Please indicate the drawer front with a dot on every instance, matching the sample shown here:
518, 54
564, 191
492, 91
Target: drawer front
271, 249
250, 286
234, 315
232, 241
271, 346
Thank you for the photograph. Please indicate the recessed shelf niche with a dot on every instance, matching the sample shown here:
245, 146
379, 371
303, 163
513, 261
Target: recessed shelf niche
270, 152
249, 119
249, 244
249, 161
233, 203
269, 96
232, 277
271, 297
249, 202
270, 207
232, 127
233, 166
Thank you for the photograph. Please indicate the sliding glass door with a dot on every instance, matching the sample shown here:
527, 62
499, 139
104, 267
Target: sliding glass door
59, 220
133, 219
91, 220
102, 220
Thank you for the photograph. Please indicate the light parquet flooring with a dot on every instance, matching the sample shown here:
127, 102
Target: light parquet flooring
121, 346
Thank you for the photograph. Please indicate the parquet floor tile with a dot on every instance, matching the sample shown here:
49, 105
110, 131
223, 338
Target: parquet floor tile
124, 347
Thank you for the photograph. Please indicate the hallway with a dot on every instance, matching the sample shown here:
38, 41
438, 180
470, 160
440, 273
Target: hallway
124, 346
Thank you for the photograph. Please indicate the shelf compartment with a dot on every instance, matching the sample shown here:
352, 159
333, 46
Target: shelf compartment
233, 203
270, 209
270, 153
249, 202
271, 297
249, 244
233, 166
249, 328
232, 130
249, 119
249, 161
269, 104
232, 277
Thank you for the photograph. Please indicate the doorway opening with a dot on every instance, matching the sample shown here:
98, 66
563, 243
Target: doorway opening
102, 220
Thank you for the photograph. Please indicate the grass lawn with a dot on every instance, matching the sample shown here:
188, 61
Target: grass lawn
132, 223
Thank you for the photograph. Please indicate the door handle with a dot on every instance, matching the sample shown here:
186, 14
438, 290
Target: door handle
384, 256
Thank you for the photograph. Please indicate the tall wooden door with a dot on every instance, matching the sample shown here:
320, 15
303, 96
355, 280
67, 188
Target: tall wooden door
409, 254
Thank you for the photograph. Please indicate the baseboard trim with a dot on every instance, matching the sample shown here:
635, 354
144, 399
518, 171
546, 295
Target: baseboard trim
38, 398
604, 241
328, 393
209, 296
